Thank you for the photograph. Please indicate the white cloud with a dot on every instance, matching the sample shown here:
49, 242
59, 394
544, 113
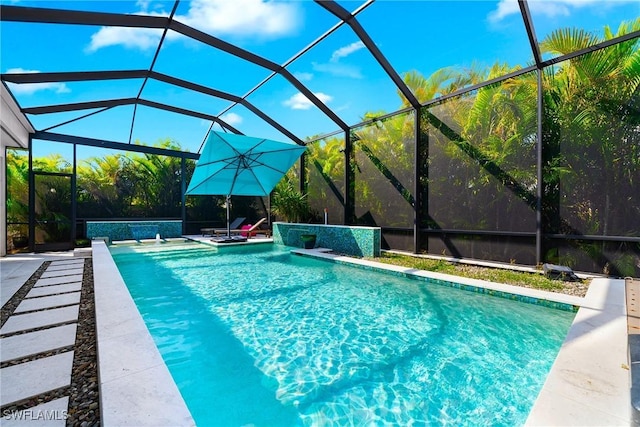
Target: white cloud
301, 102
143, 4
303, 77
242, 17
548, 8
504, 9
266, 19
140, 38
232, 118
346, 51
31, 88
338, 69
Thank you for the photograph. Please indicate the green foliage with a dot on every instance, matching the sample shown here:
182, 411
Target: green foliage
131, 185
511, 277
17, 186
289, 203
482, 171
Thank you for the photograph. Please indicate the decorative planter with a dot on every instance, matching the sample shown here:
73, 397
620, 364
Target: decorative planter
308, 240
20, 241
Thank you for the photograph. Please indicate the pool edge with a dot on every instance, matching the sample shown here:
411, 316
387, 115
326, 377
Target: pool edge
589, 382
136, 387
500, 290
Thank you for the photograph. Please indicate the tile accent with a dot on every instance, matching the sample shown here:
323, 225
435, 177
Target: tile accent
133, 230
355, 241
438, 279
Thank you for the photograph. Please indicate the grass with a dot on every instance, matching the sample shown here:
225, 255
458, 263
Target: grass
499, 275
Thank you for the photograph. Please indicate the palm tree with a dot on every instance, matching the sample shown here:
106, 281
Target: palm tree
592, 120
325, 170
17, 198
100, 192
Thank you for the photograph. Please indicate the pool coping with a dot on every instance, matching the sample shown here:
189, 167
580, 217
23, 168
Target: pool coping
588, 382
136, 387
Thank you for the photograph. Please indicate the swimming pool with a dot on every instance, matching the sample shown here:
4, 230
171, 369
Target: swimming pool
259, 336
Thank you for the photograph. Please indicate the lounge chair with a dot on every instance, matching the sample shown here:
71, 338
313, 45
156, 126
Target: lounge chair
211, 231
249, 231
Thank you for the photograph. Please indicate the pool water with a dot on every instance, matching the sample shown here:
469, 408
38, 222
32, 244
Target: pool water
258, 336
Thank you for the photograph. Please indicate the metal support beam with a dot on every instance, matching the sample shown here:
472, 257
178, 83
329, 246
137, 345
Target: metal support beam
351, 20
47, 109
178, 110
349, 207
78, 17
32, 199
303, 185
153, 62
258, 60
72, 76
602, 45
61, 108
540, 227
58, 16
531, 33
417, 186
57, 77
74, 199
71, 139
183, 194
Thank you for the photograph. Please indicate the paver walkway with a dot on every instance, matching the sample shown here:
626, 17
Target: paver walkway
36, 345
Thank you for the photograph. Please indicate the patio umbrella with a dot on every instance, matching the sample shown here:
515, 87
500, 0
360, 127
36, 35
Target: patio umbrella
239, 165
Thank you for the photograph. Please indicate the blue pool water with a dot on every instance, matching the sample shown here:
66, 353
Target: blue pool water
257, 336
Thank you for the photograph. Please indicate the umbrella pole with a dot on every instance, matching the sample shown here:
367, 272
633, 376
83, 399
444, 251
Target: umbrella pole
228, 223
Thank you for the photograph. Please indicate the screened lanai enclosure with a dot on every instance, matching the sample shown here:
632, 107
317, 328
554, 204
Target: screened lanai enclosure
493, 130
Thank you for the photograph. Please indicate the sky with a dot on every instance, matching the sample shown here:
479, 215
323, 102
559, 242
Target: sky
419, 36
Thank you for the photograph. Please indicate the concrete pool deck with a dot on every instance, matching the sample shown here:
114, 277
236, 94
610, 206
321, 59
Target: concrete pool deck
587, 385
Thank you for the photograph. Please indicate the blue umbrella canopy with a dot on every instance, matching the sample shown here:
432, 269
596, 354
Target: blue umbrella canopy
239, 165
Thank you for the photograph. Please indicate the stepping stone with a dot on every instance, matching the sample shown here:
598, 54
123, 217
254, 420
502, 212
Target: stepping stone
59, 273
33, 378
56, 267
50, 414
18, 346
58, 280
54, 289
51, 301
24, 322
67, 262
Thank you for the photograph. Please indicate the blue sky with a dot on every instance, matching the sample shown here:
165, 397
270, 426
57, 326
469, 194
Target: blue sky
420, 36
